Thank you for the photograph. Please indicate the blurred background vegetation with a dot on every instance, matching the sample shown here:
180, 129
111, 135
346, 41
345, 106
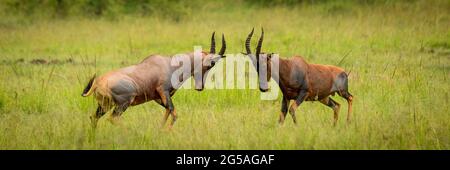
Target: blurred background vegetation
170, 9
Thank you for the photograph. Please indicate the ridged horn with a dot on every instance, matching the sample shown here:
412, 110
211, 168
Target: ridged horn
258, 48
224, 46
213, 44
247, 42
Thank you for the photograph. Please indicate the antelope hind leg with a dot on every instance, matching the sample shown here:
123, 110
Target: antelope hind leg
333, 105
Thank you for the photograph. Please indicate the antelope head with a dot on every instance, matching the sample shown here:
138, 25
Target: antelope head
261, 61
209, 60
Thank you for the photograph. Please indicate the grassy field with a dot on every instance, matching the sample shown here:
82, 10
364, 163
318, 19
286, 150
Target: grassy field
398, 55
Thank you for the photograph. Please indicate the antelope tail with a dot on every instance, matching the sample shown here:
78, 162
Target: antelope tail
89, 87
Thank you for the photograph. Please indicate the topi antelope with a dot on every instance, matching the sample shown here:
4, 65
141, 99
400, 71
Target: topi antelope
149, 80
300, 81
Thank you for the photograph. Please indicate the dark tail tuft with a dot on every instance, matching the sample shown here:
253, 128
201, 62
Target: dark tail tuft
88, 87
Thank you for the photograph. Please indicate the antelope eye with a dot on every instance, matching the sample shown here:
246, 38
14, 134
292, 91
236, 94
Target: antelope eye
213, 63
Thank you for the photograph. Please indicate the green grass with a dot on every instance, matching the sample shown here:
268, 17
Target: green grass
399, 57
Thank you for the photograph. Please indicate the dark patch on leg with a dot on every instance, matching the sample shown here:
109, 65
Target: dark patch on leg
97, 115
284, 109
171, 109
117, 112
174, 118
123, 92
119, 109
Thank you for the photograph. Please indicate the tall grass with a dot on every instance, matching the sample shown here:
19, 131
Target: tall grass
398, 55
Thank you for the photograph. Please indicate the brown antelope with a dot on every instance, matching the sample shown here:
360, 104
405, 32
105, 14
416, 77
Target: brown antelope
149, 80
300, 81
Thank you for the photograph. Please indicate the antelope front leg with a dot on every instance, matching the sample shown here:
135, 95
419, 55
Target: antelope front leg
301, 97
117, 112
284, 110
174, 118
167, 103
97, 115
166, 114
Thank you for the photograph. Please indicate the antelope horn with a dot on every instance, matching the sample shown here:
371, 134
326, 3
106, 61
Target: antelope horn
224, 46
213, 44
247, 42
258, 48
